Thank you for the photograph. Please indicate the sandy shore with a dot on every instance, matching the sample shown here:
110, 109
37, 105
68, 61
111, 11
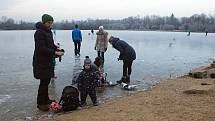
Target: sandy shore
167, 101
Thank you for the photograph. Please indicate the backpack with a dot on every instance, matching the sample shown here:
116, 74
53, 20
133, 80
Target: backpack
69, 99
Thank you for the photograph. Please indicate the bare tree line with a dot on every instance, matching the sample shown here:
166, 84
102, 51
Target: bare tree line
194, 23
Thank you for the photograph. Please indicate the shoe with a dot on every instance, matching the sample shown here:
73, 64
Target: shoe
95, 104
43, 107
76, 52
123, 79
83, 104
119, 82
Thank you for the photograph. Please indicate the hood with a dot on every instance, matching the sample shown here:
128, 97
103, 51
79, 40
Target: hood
114, 40
100, 32
39, 25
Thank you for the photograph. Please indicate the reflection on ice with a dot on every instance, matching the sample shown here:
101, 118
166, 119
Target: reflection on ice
4, 98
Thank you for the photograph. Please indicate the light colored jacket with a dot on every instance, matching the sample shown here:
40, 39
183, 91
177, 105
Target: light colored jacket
101, 41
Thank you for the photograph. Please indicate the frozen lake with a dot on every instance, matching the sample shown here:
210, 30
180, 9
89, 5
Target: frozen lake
159, 55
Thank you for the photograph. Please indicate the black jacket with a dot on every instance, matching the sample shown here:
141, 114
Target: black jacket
127, 53
88, 79
44, 52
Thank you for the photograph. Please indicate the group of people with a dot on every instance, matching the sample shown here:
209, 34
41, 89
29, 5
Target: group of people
100, 45
46, 50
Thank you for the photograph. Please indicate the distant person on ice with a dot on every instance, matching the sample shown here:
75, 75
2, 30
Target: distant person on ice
188, 33
206, 32
44, 52
101, 42
127, 54
92, 31
77, 38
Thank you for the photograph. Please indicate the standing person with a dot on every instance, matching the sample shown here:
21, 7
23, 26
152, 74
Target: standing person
92, 31
44, 52
77, 38
206, 32
87, 82
101, 42
188, 33
127, 54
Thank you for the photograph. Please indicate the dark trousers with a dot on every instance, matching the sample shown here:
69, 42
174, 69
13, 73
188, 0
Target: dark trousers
85, 92
127, 67
77, 45
42, 96
101, 55
53, 73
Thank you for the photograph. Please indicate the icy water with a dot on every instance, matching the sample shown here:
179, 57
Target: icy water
160, 55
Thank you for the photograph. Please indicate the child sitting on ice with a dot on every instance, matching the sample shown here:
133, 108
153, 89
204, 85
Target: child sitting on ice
99, 65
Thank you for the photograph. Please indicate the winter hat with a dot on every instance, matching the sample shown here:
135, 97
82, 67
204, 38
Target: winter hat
46, 18
110, 38
87, 60
101, 28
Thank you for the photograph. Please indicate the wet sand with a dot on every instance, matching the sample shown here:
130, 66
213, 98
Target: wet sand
167, 101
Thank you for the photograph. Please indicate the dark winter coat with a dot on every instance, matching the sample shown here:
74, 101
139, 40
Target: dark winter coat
88, 79
44, 52
127, 53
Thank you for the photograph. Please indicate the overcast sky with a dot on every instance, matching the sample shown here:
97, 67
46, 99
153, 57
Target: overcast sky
31, 10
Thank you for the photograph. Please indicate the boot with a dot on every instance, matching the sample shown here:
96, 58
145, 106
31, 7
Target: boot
83, 104
76, 52
127, 79
43, 107
95, 103
122, 80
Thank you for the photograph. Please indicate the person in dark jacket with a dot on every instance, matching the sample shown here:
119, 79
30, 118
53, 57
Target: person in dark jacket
87, 82
77, 38
127, 54
44, 52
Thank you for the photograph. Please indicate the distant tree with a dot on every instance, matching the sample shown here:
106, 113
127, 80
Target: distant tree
196, 22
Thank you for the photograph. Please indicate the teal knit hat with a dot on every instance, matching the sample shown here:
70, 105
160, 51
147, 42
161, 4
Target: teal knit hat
46, 18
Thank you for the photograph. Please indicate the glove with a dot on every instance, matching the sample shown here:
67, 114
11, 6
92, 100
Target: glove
98, 83
95, 48
105, 49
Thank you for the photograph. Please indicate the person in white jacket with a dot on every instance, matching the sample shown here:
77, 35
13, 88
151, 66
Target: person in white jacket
101, 42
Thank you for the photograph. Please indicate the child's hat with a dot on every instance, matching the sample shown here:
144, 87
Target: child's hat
87, 60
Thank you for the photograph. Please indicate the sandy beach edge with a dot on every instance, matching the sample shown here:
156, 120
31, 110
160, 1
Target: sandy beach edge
182, 99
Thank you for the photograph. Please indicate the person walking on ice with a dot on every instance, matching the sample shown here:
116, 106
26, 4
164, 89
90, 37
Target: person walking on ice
77, 39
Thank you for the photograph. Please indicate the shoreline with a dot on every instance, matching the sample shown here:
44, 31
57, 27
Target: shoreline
178, 31
181, 99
